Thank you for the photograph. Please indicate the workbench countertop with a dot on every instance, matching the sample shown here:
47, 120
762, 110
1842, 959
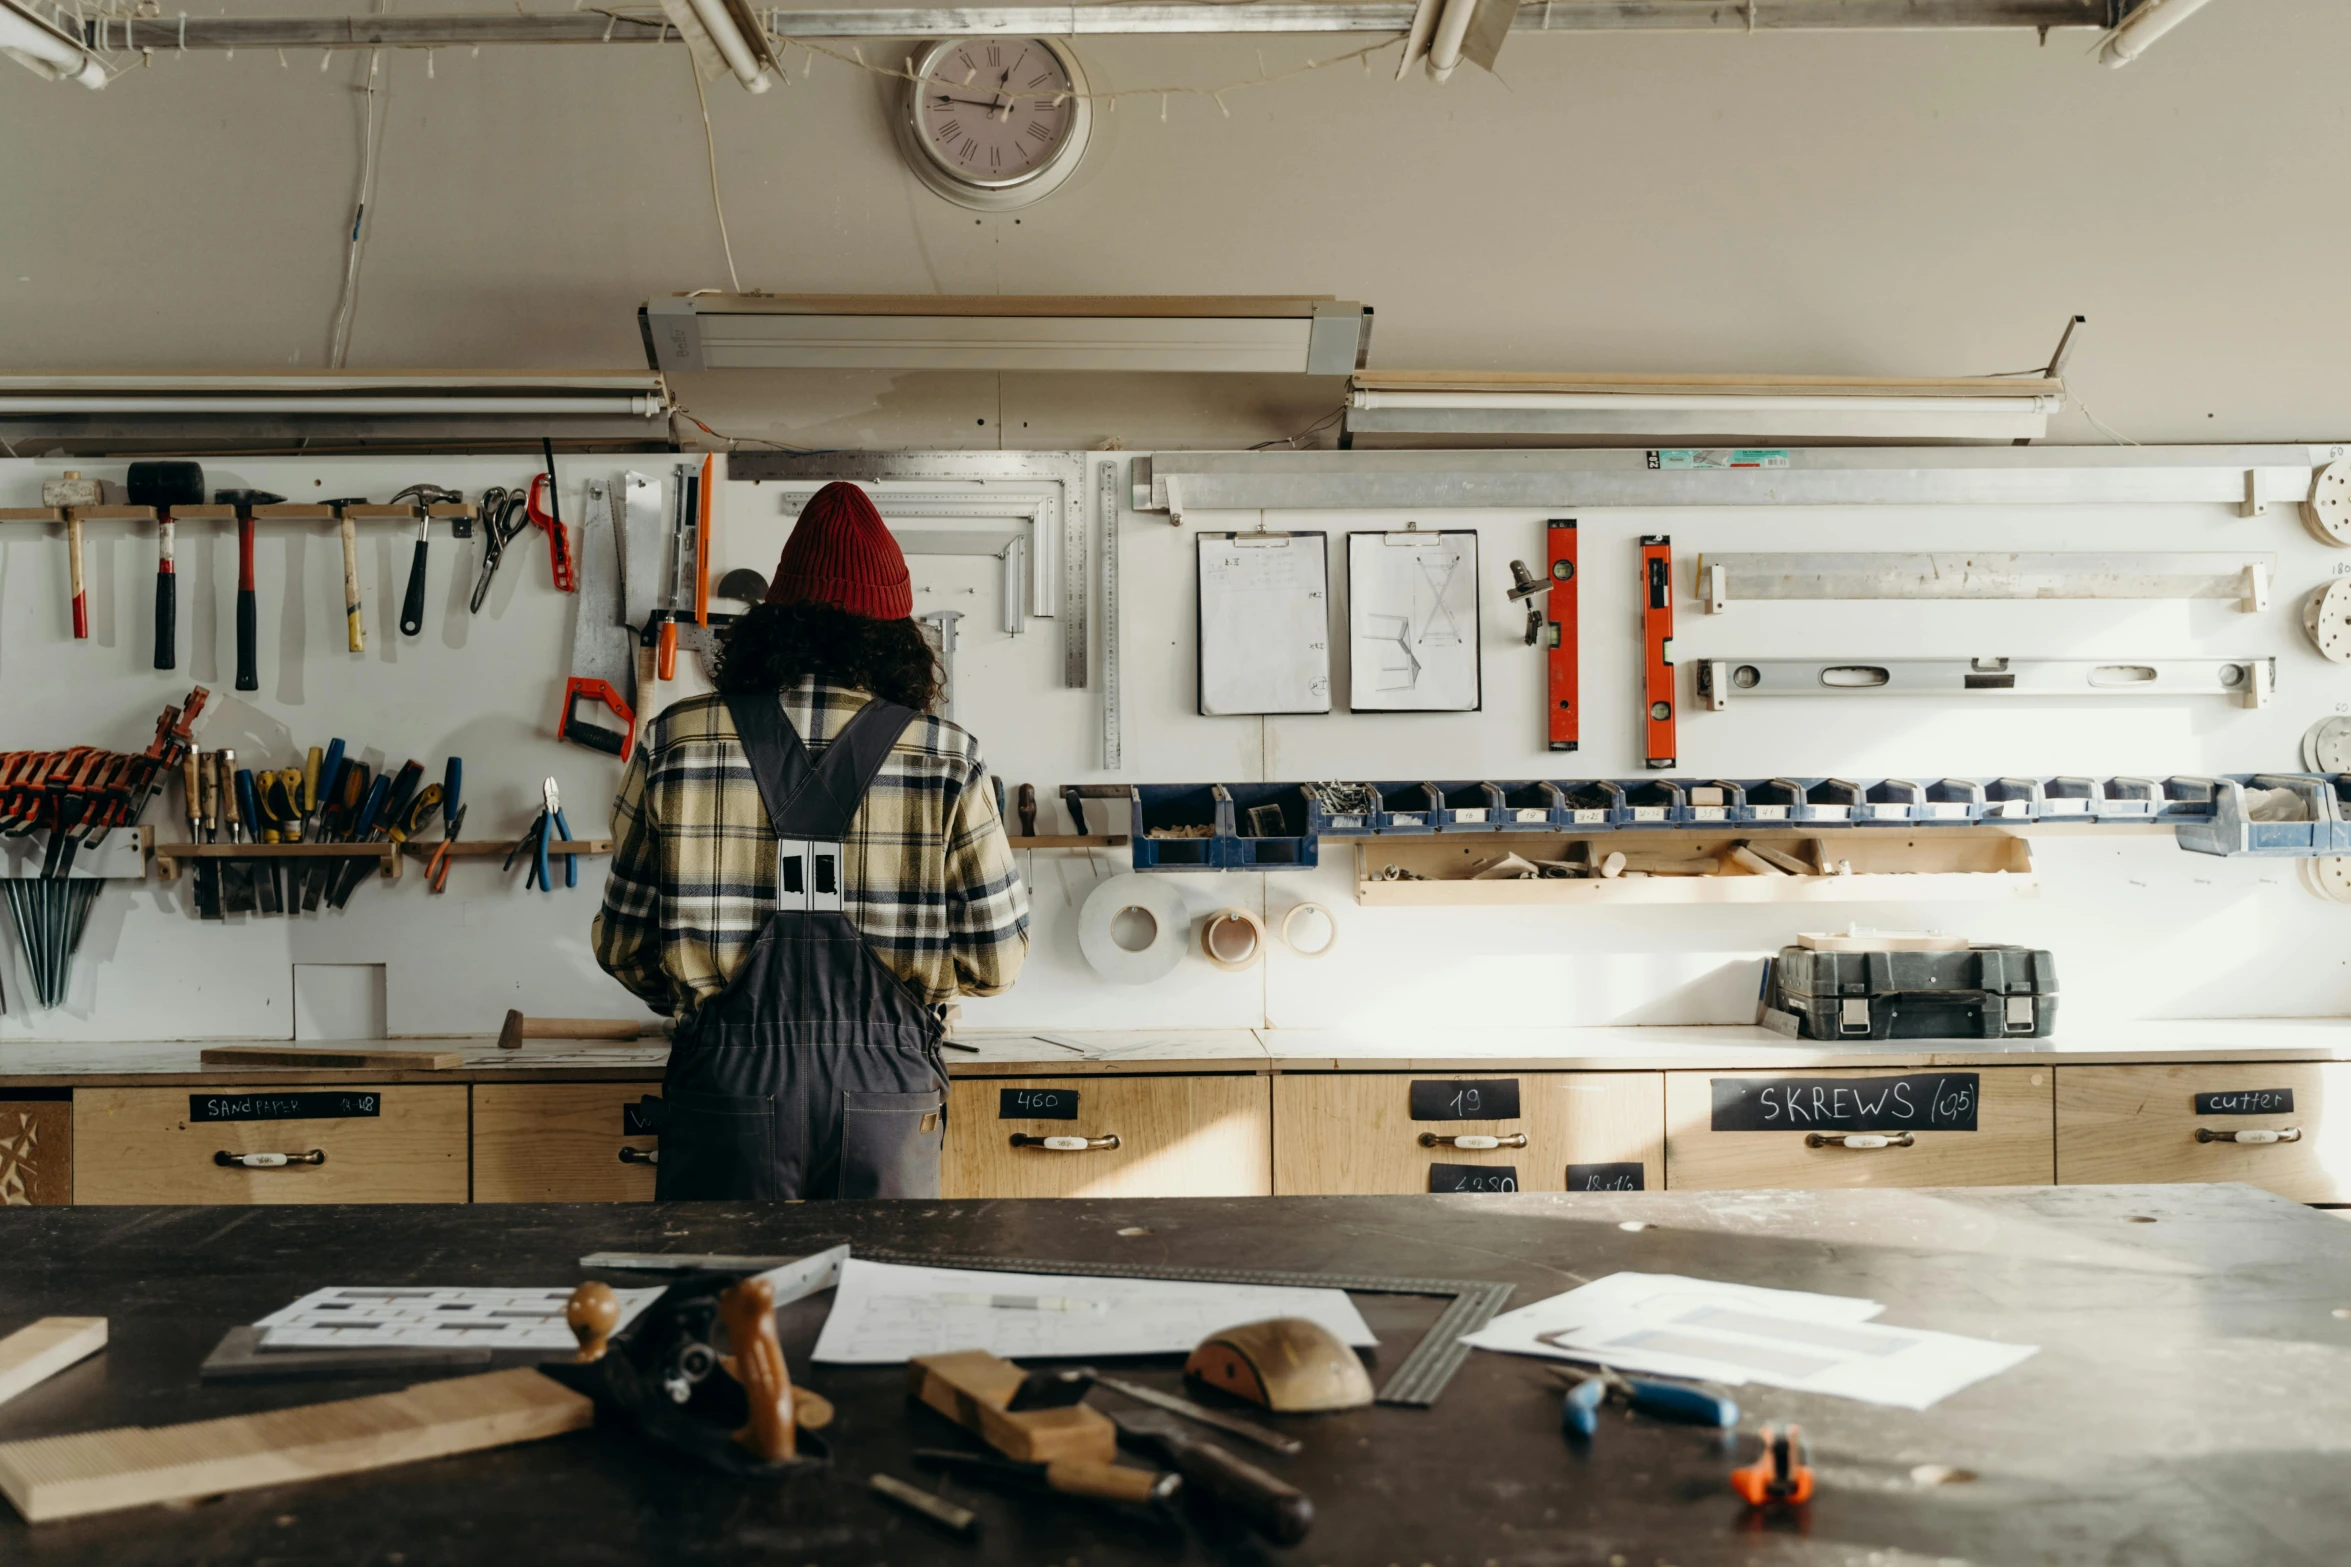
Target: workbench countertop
1088, 1052
2190, 1401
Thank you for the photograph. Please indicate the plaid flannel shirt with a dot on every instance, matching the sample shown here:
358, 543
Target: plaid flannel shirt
928, 877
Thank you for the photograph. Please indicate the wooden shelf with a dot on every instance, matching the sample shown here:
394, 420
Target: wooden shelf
169, 855
499, 848
1070, 840
1887, 867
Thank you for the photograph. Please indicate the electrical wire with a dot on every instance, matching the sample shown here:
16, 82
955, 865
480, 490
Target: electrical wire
737, 440
1291, 441
347, 302
710, 145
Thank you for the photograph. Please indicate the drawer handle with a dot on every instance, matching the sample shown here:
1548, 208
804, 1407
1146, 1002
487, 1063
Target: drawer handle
1472, 1140
267, 1161
2284, 1134
1063, 1144
640, 1156
1857, 1140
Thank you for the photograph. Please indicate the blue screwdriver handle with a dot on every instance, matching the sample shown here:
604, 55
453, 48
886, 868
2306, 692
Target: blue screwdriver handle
452, 782
571, 862
1579, 1411
1684, 1405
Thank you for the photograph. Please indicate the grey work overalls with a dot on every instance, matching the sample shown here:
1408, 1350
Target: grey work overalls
816, 1072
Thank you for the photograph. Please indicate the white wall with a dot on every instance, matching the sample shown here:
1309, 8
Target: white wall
2140, 928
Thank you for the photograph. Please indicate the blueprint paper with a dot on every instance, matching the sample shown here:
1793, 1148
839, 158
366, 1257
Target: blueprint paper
1732, 1334
886, 1313
1265, 623
1412, 620
425, 1316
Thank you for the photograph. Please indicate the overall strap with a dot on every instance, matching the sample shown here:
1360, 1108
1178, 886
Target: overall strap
814, 801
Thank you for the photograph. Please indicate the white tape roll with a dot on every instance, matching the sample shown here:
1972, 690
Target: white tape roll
1290, 935
1152, 899
1233, 939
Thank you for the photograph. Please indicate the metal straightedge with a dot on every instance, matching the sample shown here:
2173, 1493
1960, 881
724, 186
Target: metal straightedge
2247, 680
1106, 497
938, 629
1726, 578
1043, 490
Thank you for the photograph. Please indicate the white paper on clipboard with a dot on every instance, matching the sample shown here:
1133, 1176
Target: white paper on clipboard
1412, 618
1265, 623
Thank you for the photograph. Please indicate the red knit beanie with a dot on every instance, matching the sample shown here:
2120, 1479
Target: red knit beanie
841, 554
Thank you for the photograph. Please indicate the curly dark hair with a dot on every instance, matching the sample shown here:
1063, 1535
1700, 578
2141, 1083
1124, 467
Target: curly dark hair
777, 645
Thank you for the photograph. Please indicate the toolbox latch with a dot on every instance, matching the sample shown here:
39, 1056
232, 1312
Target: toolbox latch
2020, 1014
1853, 1016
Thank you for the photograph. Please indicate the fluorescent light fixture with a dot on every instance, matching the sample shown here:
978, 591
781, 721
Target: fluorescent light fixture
423, 393
2138, 31
1745, 407
45, 48
1297, 336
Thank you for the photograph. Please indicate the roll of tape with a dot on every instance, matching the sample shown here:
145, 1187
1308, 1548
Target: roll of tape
1289, 936
1233, 939
1153, 898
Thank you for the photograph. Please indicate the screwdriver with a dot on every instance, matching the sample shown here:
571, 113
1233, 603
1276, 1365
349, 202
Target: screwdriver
1579, 1411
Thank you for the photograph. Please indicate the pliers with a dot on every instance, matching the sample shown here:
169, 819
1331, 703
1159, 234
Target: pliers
1579, 1410
436, 871
551, 822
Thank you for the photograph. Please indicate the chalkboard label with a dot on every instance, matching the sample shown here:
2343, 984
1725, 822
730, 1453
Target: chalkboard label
2247, 1101
1473, 1177
1605, 1178
1914, 1102
1036, 1104
636, 1120
283, 1107
1490, 1099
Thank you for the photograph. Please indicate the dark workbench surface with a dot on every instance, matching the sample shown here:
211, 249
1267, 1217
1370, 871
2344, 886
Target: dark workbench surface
2191, 1402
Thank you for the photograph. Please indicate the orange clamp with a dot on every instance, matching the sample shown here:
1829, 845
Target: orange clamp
1779, 1477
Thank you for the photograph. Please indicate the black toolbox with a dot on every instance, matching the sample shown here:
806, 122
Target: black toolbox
1976, 993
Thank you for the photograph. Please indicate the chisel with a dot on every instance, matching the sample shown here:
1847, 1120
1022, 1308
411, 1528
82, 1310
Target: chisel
208, 871
342, 807
1278, 1511
305, 824
192, 781
263, 873
1066, 1477
236, 876
385, 803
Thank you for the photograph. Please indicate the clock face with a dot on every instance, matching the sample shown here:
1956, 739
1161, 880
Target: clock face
995, 114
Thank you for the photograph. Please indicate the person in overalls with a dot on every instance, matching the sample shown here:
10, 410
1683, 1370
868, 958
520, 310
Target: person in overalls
806, 866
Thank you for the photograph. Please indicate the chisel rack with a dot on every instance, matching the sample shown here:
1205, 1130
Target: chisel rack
168, 856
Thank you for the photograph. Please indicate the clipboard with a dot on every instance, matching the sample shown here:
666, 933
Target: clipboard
1412, 622
1264, 623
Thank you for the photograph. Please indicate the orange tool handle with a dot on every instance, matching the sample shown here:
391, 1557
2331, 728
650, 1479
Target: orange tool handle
612, 742
702, 547
1657, 675
665, 651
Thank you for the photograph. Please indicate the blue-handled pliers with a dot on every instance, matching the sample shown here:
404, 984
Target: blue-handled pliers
551, 822
1579, 1411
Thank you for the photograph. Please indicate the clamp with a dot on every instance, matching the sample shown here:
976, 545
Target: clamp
1779, 1477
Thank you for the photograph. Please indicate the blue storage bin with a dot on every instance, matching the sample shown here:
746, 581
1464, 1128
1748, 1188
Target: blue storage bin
1181, 805
1953, 800
1469, 807
1406, 807
1727, 804
1526, 805
2130, 800
1591, 804
1651, 802
1771, 801
2186, 799
1258, 806
2071, 799
1830, 802
2012, 800
2231, 830
1890, 802
1352, 822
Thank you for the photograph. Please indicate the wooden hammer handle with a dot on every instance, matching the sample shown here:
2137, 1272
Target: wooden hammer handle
355, 634
81, 597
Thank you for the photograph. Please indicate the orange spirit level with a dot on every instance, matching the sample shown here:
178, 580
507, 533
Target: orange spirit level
1657, 682
1566, 719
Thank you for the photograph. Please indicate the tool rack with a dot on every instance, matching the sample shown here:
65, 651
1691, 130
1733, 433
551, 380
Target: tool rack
2206, 815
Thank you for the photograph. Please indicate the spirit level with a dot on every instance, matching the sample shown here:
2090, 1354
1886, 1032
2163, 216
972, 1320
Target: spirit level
1657, 694
1566, 717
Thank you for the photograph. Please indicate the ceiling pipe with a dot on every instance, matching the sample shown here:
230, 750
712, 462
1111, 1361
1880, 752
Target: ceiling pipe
161, 34
46, 51
2137, 33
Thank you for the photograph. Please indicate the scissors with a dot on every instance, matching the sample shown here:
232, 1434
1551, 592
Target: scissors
505, 513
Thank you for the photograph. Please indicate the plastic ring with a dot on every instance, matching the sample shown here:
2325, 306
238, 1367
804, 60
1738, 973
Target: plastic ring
1233, 939
1291, 941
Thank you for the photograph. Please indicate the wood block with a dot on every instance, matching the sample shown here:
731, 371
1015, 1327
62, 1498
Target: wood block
327, 1057
971, 1388
131, 1466
36, 1152
37, 1353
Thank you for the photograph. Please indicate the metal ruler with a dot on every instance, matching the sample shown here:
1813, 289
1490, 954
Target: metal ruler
2248, 680
1470, 1305
1726, 578
938, 629
1657, 679
1106, 489
1566, 717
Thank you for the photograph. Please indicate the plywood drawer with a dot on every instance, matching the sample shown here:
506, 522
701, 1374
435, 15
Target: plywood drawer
2011, 1145
1177, 1137
36, 1148
2139, 1123
1353, 1132
559, 1142
402, 1143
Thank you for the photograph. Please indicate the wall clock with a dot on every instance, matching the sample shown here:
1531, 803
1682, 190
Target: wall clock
995, 123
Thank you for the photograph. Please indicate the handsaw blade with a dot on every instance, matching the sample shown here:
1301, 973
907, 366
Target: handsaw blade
602, 648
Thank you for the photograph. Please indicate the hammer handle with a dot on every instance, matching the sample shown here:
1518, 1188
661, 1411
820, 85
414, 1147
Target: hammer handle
73, 555
248, 611
167, 598
355, 634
